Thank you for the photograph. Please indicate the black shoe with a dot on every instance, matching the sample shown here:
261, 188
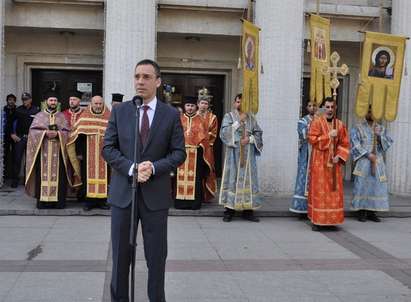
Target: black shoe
302, 216
228, 214
315, 228
249, 215
227, 217
104, 206
14, 184
373, 216
362, 215
40, 205
88, 208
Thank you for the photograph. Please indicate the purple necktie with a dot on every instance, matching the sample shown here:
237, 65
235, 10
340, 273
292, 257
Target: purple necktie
145, 126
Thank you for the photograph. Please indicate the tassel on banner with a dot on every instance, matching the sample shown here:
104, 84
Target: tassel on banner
308, 46
239, 63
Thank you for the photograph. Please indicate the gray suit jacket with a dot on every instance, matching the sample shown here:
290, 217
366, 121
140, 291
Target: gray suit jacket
165, 148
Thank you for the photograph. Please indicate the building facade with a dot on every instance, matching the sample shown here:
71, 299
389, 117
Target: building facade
94, 45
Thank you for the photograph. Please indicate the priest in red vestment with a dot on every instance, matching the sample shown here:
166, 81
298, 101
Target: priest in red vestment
72, 114
192, 186
330, 150
86, 143
211, 126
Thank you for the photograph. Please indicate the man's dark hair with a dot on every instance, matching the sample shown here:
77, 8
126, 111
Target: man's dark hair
240, 96
152, 63
11, 96
328, 99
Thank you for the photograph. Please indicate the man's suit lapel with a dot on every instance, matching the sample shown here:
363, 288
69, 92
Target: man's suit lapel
158, 116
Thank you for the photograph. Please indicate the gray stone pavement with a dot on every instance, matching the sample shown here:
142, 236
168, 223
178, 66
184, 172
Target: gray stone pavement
15, 202
67, 258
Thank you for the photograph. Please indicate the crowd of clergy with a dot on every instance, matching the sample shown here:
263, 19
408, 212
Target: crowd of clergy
63, 158
324, 147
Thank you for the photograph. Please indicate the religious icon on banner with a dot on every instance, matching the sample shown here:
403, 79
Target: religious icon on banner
249, 52
320, 58
320, 52
381, 73
382, 62
250, 59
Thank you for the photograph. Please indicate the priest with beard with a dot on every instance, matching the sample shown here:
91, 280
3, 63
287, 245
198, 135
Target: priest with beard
211, 125
72, 114
330, 150
48, 170
86, 143
192, 188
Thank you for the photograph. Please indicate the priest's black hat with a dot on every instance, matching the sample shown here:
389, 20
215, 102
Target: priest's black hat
51, 94
117, 97
76, 94
190, 100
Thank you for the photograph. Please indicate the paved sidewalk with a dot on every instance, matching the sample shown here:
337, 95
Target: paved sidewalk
15, 202
67, 259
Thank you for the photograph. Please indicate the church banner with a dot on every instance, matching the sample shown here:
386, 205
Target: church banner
250, 59
320, 58
381, 73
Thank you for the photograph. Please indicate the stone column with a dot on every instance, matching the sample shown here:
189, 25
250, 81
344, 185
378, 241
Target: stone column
2, 94
130, 36
398, 158
281, 39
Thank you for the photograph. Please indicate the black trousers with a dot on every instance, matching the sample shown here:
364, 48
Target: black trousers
19, 153
62, 187
9, 150
154, 230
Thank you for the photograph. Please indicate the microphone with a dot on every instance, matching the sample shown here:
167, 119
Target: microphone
137, 100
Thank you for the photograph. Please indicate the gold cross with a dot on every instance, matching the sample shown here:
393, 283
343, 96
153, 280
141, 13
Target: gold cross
334, 70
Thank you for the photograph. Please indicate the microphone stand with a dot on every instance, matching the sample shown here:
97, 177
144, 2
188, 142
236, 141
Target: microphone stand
132, 240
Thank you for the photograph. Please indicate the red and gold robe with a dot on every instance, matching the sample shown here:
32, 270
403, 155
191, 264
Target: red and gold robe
52, 154
325, 206
196, 136
211, 124
72, 117
93, 126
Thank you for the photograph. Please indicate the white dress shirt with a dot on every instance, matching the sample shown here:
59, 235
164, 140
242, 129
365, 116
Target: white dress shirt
150, 112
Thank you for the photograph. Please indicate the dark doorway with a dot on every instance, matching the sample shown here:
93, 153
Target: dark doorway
63, 81
189, 85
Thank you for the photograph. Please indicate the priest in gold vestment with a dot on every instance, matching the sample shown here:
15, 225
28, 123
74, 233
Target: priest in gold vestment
85, 143
48, 170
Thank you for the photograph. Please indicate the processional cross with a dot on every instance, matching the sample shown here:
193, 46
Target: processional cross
334, 70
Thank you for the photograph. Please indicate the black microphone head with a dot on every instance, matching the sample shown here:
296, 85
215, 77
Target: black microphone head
137, 100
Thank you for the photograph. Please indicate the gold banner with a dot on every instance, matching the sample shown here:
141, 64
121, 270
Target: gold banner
381, 73
320, 58
250, 59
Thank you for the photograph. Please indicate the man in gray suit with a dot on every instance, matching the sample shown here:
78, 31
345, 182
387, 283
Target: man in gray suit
162, 151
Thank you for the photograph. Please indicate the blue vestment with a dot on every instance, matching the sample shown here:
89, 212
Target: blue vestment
299, 202
239, 184
370, 191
